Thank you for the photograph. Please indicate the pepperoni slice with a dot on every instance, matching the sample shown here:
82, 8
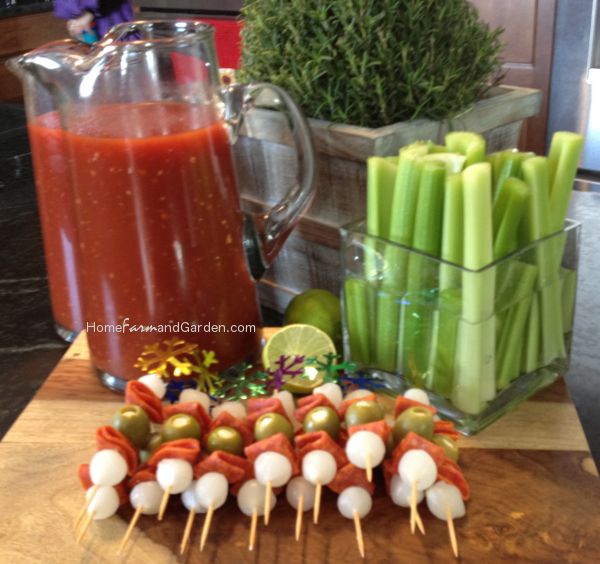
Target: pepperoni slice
225, 419
137, 393
320, 440
259, 406
451, 473
414, 441
350, 475
192, 408
233, 467
108, 437
276, 443
183, 449
86, 482
144, 473
380, 428
445, 428
402, 404
307, 403
348, 402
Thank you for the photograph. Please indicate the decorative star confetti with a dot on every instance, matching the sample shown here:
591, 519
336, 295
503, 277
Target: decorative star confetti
166, 358
332, 368
242, 382
290, 366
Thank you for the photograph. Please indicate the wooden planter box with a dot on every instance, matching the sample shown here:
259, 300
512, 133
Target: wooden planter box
310, 257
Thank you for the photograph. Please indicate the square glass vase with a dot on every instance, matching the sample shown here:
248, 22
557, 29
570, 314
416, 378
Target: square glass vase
478, 341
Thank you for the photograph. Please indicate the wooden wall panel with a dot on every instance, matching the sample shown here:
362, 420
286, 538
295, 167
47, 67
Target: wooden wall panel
18, 35
529, 39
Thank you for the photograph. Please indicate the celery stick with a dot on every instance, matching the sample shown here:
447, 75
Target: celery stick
388, 322
569, 292
450, 306
381, 178
470, 144
565, 151
452, 231
356, 304
422, 271
402, 215
474, 381
510, 349
535, 173
454, 162
495, 160
531, 350
506, 235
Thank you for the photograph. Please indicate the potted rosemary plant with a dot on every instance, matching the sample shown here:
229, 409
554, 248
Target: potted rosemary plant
372, 77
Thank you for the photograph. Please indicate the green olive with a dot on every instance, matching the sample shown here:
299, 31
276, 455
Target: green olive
226, 439
419, 420
270, 424
154, 442
180, 426
322, 418
133, 422
450, 447
363, 411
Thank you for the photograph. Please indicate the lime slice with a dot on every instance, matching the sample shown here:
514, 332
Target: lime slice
298, 339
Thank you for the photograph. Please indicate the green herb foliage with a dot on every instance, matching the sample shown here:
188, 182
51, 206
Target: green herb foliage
372, 62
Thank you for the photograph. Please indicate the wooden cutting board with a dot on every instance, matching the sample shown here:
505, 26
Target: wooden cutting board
535, 494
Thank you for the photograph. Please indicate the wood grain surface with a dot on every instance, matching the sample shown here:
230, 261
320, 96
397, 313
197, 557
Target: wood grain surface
535, 494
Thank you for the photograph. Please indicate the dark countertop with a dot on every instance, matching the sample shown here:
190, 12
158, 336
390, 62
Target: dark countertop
29, 347
9, 9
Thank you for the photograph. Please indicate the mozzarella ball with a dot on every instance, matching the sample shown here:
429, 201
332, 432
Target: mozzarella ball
211, 489
234, 408
401, 492
251, 498
289, 406
441, 496
108, 468
416, 394
297, 487
354, 499
195, 396
272, 467
417, 466
175, 474
332, 392
319, 466
190, 500
155, 383
358, 394
146, 495
104, 503
362, 443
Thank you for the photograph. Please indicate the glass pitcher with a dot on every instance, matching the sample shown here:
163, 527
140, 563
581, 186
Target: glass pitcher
165, 250
56, 204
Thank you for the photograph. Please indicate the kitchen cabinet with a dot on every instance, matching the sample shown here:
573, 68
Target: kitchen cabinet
528, 38
19, 34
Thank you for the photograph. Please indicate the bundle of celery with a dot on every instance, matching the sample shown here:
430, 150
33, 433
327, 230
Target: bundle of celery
436, 303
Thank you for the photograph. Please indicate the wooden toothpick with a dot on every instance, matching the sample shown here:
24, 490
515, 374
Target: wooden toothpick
163, 503
88, 500
368, 467
268, 502
299, 514
253, 530
206, 526
317, 506
452, 531
359, 534
413, 506
187, 531
86, 523
132, 523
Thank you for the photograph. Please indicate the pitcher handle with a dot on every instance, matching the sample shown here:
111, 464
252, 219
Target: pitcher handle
264, 234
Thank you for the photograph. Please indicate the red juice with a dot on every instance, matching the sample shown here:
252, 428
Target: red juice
160, 230
57, 217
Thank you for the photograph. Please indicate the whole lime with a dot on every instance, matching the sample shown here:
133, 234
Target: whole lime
319, 308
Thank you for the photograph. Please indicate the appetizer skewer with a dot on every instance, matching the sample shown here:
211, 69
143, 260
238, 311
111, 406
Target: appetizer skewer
355, 503
250, 500
300, 494
145, 499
